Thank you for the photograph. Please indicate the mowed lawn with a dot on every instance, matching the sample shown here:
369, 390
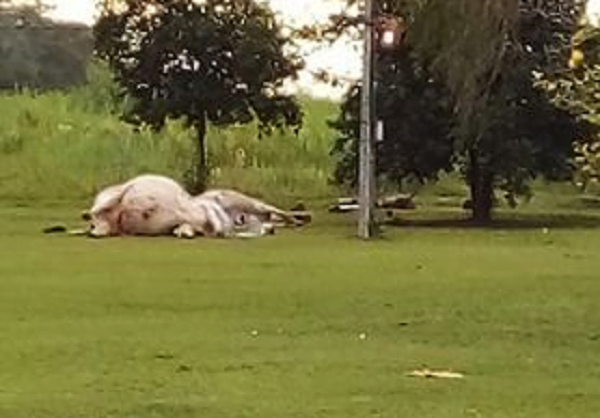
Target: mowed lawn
306, 323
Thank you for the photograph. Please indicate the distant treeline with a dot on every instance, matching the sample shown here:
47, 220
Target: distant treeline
38, 53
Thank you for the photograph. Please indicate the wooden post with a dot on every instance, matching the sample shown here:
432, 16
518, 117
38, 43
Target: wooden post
367, 226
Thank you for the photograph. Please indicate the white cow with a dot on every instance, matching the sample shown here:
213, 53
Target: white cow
157, 205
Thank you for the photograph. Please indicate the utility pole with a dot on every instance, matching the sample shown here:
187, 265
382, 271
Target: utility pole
367, 187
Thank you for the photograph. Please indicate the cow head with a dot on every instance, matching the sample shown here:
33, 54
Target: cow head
103, 223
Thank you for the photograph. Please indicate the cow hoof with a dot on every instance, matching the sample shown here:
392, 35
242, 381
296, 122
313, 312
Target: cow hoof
184, 231
268, 229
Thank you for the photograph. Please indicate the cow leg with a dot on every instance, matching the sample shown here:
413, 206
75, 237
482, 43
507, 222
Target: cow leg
220, 224
266, 212
253, 226
208, 218
239, 204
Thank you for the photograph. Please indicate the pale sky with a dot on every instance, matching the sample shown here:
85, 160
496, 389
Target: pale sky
343, 58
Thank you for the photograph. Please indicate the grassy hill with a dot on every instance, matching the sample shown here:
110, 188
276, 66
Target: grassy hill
58, 146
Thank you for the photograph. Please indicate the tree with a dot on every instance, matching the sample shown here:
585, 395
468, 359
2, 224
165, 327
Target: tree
576, 91
519, 134
417, 122
218, 61
39, 53
485, 53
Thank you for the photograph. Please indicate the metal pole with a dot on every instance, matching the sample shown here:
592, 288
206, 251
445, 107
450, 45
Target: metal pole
367, 227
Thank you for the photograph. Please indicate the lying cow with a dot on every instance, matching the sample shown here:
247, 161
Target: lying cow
157, 205
154, 205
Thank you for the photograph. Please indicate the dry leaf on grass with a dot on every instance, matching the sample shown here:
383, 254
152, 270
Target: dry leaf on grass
441, 374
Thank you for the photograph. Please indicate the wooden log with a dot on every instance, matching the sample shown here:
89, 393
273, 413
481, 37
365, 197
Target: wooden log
349, 204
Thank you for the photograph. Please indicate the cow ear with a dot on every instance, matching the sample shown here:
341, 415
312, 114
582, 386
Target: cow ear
86, 216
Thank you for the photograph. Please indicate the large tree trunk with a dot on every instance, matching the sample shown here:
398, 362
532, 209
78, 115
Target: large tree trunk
481, 181
199, 180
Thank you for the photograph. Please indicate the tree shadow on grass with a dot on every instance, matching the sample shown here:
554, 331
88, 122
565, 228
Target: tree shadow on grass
520, 221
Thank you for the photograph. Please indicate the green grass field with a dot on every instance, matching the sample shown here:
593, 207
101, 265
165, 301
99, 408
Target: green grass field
307, 323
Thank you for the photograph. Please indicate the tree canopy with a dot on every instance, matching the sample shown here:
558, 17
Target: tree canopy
485, 56
39, 53
417, 123
577, 90
219, 61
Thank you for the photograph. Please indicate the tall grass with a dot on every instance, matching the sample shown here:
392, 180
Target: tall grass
282, 164
67, 145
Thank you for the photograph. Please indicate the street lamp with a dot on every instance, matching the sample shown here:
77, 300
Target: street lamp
382, 33
391, 31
